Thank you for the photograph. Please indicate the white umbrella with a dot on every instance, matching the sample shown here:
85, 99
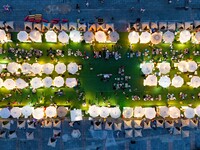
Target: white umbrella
15, 112
71, 82
27, 111
35, 36
21, 84
168, 37
182, 66
133, 37
100, 37
9, 84
127, 112
36, 83
13, 67
94, 111
51, 36
60, 68
75, 36
47, 82
151, 80
174, 112
88, 36
189, 112
147, 68
177, 81
164, 67
156, 38
184, 36
76, 133
139, 112
197, 110
48, 68
1, 83
22, 36
63, 37
51, 111
163, 111
5, 113
58, 81
115, 112
114, 37
36, 68
192, 66
197, 36
104, 112
195, 82
61, 111
150, 113
164, 81
38, 113
26, 68
72, 68
145, 37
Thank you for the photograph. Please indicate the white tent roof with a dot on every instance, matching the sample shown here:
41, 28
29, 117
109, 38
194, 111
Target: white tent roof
113, 37
177, 81
139, 112
189, 112
61, 111
163, 111
164, 67
15, 112
60, 68
195, 82
156, 38
76, 115
127, 112
174, 112
197, 36
36, 83
9, 84
63, 37
71, 82
151, 80
48, 68
21, 84
75, 36
51, 36
51, 111
133, 37
36, 68
182, 66
104, 112
145, 37
164, 81
5, 113
38, 113
47, 82
168, 37
26, 68
1, 83
184, 36
13, 67
27, 111
197, 110
192, 66
115, 112
58, 81
72, 68
94, 111
35, 36
88, 36
150, 113
22, 36
100, 37
147, 68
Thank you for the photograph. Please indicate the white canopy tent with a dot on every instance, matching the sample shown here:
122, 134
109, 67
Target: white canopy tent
151, 80
156, 38
72, 68
164, 81
9, 84
184, 36
100, 37
63, 37
35, 36
104, 112
145, 37
21, 84
26, 68
150, 112
182, 66
51, 36
164, 67
177, 81
168, 37
22, 36
5, 113
15, 112
71, 82
76, 115
38, 113
127, 112
192, 66
94, 111
163, 111
51, 112
189, 112
75, 36
60, 68
174, 112
13, 67
115, 112
47, 82
48, 68
36, 83
36, 68
139, 112
58, 81
88, 36
147, 68
195, 82
27, 111
113, 37
133, 37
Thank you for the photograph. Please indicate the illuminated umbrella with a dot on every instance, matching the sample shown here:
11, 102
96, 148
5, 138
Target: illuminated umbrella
151, 80
195, 82
36, 68
147, 68
15, 112
127, 112
197, 36
164, 67
47, 68
94, 111
60, 68
35, 36
88, 36
133, 37
189, 112
114, 37
63, 37
184, 36
168, 37
21, 84
72, 68
47, 82
174, 112
38, 113
1, 83
22, 36
75, 36
26, 68
36, 83
177, 81
5, 113
51, 36
182, 66
61, 111
145, 37
27, 111
139, 112
150, 113
156, 38
71, 82
51, 111
192, 66
13, 67
197, 110
104, 112
100, 37
9, 84
58, 81
164, 81
115, 112
163, 111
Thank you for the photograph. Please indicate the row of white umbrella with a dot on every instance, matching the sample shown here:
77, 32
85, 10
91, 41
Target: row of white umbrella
187, 66
34, 36
37, 68
36, 82
37, 113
